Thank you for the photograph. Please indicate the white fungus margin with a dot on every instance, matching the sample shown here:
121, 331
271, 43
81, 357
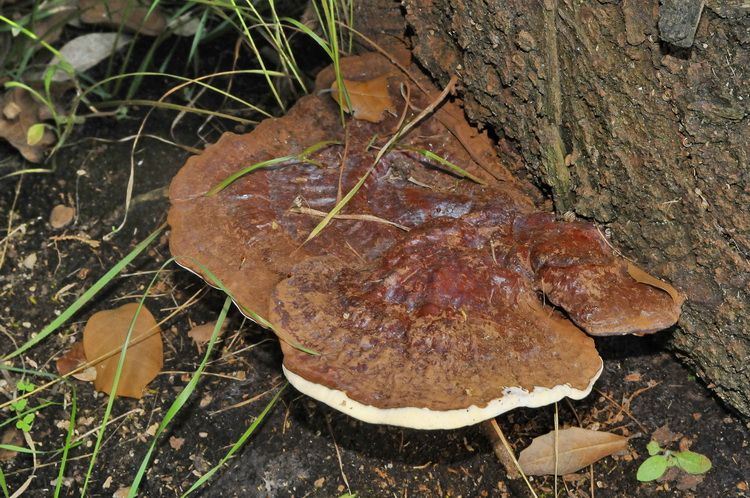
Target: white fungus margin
425, 418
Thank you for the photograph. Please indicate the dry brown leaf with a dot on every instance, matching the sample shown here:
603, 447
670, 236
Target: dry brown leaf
176, 442
203, 333
577, 448
368, 98
634, 377
19, 112
143, 19
664, 436
11, 437
105, 334
122, 493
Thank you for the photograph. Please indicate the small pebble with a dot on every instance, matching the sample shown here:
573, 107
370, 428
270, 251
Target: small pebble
30, 261
61, 216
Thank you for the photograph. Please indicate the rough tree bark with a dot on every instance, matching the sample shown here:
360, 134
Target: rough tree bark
622, 128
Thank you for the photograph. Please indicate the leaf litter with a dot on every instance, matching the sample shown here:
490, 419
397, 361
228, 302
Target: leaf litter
104, 337
576, 448
367, 99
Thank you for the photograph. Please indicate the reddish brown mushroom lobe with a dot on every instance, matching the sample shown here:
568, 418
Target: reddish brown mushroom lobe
448, 315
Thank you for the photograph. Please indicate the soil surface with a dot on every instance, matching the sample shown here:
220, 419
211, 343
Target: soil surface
301, 448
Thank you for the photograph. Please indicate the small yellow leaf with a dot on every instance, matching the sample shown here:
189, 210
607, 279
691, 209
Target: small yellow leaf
368, 98
35, 134
105, 334
576, 449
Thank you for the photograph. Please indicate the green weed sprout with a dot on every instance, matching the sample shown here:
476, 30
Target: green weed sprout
660, 460
24, 420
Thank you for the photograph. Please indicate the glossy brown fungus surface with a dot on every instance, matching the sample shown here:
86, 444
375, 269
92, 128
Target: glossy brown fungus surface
432, 292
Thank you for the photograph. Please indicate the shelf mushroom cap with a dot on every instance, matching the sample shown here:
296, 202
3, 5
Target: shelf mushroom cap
433, 301
432, 336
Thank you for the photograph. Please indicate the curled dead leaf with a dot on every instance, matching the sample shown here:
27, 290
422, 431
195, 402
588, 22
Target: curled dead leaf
74, 359
576, 449
20, 112
86, 51
104, 337
368, 98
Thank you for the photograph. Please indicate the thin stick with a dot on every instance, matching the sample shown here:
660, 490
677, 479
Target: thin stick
627, 411
343, 163
6, 240
338, 454
557, 444
247, 401
496, 428
427, 110
363, 217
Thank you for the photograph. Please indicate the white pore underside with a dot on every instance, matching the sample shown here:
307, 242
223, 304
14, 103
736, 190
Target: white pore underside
424, 418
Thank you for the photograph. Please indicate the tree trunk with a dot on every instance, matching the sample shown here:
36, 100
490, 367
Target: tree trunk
622, 128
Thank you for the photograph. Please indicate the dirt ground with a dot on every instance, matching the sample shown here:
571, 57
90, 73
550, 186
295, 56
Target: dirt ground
302, 448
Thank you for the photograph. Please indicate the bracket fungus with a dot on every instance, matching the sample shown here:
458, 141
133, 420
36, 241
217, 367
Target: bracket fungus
433, 301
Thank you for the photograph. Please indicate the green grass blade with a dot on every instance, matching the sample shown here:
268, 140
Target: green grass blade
23, 449
63, 63
198, 36
27, 170
444, 162
320, 41
115, 383
383, 151
86, 297
13, 84
324, 222
3, 484
275, 37
258, 56
240, 442
68, 439
224, 184
302, 157
182, 398
330, 11
198, 81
